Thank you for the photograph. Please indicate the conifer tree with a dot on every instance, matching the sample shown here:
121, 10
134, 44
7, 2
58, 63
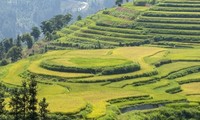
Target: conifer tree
119, 2
79, 18
18, 41
25, 99
35, 33
28, 39
43, 109
15, 104
2, 104
32, 106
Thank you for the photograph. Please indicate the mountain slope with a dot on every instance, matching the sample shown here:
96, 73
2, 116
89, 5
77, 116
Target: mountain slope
18, 16
166, 23
158, 80
166, 76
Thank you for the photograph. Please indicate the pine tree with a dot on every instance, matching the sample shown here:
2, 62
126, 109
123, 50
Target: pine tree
2, 52
15, 104
25, 99
15, 53
119, 2
28, 39
18, 41
48, 36
45, 49
32, 106
99, 45
2, 104
79, 18
35, 33
43, 109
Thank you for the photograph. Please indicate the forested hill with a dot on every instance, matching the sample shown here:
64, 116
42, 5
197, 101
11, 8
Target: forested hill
18, 16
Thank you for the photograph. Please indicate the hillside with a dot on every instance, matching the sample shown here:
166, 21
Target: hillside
132, 63
18, 16
167, 23
164, 77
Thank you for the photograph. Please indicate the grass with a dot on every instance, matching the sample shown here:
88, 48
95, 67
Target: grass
191, 88
90, 62
176, 66
36, 69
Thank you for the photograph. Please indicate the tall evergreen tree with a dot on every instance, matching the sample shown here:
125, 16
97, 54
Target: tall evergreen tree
119, 2
48, 36
79, 18
43, 109
55, 23
25, 99
15, 104
7, 43
1, 51
32, 106
35, 33
18, 41
28, 39
47, 26
46, 48
2, 104
15, 53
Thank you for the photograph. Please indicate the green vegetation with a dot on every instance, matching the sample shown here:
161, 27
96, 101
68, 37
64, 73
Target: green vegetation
91, 65
133, 25
67, 92
158, 78
169, 113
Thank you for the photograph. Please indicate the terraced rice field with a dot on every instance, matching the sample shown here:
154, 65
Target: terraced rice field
113, 80
172, 21
167, 23
73, 92
106, 29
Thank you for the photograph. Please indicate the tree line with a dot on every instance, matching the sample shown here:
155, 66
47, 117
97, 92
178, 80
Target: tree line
23, 103
11, 50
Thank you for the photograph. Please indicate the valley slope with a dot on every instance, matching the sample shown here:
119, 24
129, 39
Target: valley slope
131, 61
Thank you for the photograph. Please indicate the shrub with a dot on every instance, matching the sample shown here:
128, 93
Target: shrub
61, 68
174, 32
171, 14
194, 39
174, 90
152, 2
162, 62
121, 35
109, 23
178, 5
167, 20
124, 68
176, 9
117, 30
184, 72
177, 113
140, 2
106, 12
4, 62
121, 69
189, 81
113, 38
136, 43
131, 98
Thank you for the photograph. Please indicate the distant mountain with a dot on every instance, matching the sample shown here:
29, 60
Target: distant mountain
18, 16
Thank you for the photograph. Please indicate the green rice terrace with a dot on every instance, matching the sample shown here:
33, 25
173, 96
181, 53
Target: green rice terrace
168, 23
73, 83
149, 60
